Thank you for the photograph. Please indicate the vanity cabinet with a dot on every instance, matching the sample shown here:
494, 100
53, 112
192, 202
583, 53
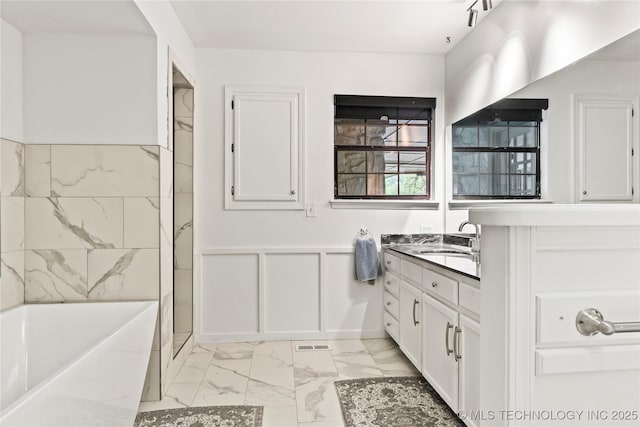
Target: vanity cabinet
410, 323
433, 314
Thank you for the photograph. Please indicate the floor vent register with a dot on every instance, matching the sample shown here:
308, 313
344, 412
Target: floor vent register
322, 347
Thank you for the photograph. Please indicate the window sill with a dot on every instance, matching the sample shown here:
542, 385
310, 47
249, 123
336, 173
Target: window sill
384, 204
466, 204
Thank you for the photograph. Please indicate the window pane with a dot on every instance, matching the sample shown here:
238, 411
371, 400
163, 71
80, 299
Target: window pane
382, 161
413, 184
410, 122
413, 162
351, 161
376, 184
465, 184
409, 135
523, 163
523, 135
349, 132
351, 185
494, 134
465, 136
380, 132
465, 162
523, 185
391, 185
493, 162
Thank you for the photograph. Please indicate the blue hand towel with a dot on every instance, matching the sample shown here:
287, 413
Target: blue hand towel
367, 262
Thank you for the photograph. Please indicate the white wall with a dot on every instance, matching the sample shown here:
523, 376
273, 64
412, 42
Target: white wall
171, 36
11, 105
323, 75
523, 41
586, 77
89, 89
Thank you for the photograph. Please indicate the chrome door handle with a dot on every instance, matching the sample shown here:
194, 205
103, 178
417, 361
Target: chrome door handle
415, 303
590, 321
446, 339
456, 344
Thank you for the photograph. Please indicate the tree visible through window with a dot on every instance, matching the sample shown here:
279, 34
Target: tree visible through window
382, 147
496, 152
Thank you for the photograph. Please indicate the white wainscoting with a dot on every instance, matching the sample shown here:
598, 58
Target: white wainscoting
284, 293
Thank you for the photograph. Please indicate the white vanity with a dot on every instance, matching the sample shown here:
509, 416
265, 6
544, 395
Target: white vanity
432, 312
511, 354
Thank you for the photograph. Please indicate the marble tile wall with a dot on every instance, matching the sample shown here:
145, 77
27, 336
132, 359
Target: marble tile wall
12, 238
183, 226
91, 223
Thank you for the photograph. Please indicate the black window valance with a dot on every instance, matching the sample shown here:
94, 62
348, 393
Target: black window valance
375, 107
509, 109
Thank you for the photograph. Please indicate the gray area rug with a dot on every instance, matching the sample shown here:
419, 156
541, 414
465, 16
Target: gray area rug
203, 416
393, 402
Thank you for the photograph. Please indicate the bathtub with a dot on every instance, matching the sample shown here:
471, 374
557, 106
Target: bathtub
78, 364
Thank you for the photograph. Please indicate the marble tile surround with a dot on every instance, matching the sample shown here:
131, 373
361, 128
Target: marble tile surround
12, 238
295, 387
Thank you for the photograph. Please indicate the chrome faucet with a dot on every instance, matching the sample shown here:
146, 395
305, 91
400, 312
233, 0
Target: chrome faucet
475, 241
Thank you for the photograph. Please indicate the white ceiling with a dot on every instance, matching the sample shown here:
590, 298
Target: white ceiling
419, 26
64, 16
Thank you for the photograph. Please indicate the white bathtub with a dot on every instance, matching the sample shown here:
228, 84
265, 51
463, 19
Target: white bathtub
74, 364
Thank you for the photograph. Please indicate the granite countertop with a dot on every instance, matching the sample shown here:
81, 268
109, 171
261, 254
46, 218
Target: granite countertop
418, 246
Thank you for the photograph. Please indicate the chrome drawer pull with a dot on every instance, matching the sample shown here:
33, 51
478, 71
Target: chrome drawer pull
456, 344
446, 339
415, 303
434, 284
590, 321
388, 302
388, 323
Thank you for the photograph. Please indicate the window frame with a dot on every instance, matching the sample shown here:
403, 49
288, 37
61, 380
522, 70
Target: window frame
507, 111
385, 105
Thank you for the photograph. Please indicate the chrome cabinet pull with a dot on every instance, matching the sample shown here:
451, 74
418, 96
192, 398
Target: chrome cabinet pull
415, 303
456, 344
388, 262
434, 284
388, 323
388, 282
388, 302
590, 321
446, 339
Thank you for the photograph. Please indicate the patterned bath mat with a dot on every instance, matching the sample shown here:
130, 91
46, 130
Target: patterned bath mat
203, 416
393, 402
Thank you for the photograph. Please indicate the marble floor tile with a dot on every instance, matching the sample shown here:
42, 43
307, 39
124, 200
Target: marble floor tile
347, 347
296, 388
357, 366
273, 364
280, 416
263, 393
317, 401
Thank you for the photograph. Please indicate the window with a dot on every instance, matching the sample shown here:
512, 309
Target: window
496, 152
382, 147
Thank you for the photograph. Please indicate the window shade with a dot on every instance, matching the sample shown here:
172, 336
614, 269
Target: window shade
374, 107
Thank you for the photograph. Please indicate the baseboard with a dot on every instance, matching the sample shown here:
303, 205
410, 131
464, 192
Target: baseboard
291, 336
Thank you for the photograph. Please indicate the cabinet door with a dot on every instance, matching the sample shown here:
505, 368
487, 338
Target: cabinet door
410, 323
264, 139
439, 365
604, 132
469, 367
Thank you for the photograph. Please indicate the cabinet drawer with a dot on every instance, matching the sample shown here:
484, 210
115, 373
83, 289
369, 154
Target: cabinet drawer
411, 271
440, 285
469, 297
391, 304
391, 325
392, 283
391, 262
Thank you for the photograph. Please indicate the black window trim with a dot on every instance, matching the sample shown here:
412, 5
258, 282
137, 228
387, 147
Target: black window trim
507, 110
397, 108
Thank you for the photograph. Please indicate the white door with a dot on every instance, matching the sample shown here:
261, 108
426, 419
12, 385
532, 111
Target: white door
605, 148
468, 338
410, 323
439, 365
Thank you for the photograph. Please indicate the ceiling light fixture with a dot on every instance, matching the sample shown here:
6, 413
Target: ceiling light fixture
486, 4
473, 15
